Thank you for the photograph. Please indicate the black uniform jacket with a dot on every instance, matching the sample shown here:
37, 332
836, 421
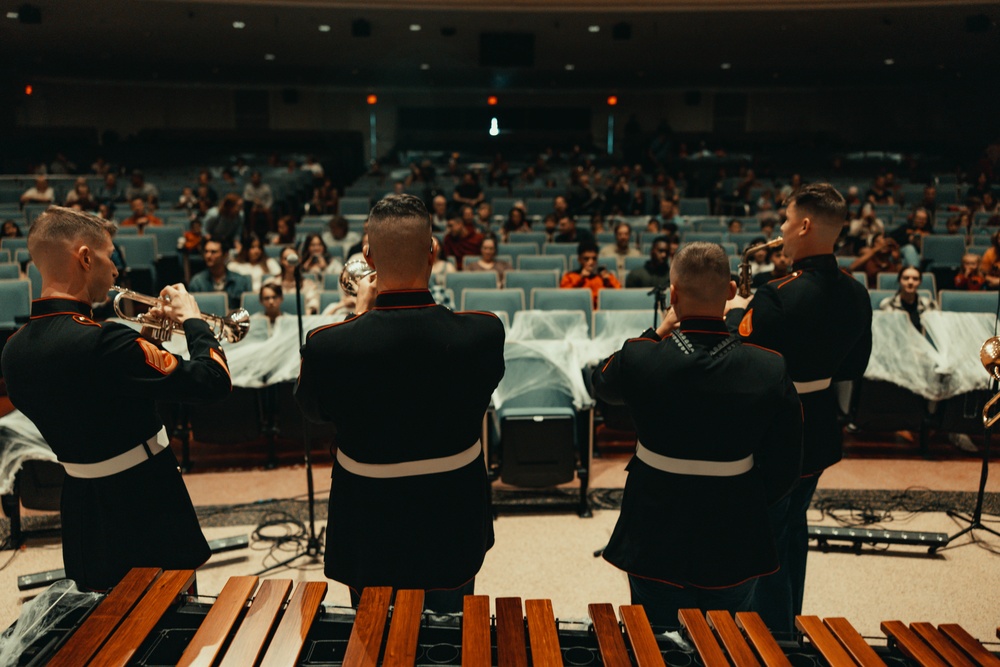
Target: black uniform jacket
90, 388
690, 404
406, 381
820, 319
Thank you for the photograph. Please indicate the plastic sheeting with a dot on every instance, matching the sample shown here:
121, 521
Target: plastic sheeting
20, 441
40, 615
958, 338
902, 355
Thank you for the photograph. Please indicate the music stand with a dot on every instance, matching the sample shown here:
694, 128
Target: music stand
314, 542
976, 520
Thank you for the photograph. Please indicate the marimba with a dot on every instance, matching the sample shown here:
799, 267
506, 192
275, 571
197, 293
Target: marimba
147, 620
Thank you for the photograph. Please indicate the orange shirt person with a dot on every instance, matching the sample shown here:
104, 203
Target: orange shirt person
590, 275
140, 218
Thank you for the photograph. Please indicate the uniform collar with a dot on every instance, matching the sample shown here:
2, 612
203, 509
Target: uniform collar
822, 262
410, 298
704, 324
52, 305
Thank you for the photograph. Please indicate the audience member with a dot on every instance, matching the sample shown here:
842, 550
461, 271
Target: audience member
10, 230
325, 199
138, 187
589, 274
80, 197
310, 288
311, 164
879, 193
442, 266
910, 235
316, 258
760, 261
140, 216
111, 192
569, 232
259, 202
517, 221
225, 223
217, 277
881, 257
484, 217
656, 271
40, 193
462, 239
622, 246
439, 213
205, 181
549, 226
252, 261
271, 298
863, 231
990, 263
188, 202
780, 264
468, 192
668, 212
338, 233
488, 260
970, 277
284, 231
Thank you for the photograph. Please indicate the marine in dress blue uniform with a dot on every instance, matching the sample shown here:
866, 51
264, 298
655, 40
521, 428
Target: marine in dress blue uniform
406, 383
819, 318
91, 388
694, 527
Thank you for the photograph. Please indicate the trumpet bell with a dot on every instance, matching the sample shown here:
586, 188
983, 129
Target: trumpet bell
989, 355
354, 271
234, 326
230, 328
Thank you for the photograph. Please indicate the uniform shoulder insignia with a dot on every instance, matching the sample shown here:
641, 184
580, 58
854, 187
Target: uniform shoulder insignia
160, 360
82, 319
218, 358
746, 324
788, 279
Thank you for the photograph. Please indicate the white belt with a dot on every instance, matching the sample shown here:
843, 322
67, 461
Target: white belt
692, 466
123, 461
409, 468
812, 386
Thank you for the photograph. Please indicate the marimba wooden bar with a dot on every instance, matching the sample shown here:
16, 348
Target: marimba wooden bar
269, 628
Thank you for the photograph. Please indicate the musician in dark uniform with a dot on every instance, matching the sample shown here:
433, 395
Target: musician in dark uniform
90, 389
819, 318
409, 500
693, 530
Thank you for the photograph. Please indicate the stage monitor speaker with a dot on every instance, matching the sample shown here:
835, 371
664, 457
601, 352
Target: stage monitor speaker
506, 49
538, 446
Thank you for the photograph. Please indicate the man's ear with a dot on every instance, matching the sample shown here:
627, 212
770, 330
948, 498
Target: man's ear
366, 251
85, 256
807, 226
732, 290
673, 295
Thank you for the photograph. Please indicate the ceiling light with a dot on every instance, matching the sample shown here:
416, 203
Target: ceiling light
324, 27
593, 28
424, 66
889, 61
12, 15
239, 25
570, 67
414, 27
269, 56
726, 65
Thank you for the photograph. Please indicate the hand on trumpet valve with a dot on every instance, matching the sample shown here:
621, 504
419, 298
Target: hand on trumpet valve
367, 291
177, 304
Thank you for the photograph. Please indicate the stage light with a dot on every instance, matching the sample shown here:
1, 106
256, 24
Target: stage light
726, 65
425, 66
594, 28
372, 99
570, 67
889, 61
492, 100
269, 57
239, 25
494, 127
28, 90
414, 27
12, 15
324, 28
612, 100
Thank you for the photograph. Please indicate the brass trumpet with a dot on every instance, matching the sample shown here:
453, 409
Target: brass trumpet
354, 271
231, 328
989, 354
743, 288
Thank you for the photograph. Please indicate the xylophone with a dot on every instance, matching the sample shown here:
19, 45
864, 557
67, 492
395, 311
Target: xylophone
147, 620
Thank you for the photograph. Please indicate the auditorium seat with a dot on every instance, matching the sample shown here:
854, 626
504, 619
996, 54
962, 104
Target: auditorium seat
567, 250
542, 263
635, 262
694, 207
508, 301
9, 271
634, 298
563, 299
943, 250
515, 250
15, 303
355, 206
538, 238
968, 302
250, 301
214, 303
458, 282
635, 321
529, 280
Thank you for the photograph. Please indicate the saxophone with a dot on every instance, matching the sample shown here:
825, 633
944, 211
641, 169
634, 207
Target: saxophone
743, 288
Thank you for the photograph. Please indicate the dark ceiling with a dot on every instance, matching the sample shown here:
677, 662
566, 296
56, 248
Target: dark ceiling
282, 44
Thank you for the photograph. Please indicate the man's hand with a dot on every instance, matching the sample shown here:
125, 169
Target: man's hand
179, 304
669, 323
738, 302
367, 291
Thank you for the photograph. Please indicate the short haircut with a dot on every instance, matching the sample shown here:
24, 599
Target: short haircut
662, 238
908, 267
393, 207
625, 225
701, 270
586, 246
60, 224
821, 201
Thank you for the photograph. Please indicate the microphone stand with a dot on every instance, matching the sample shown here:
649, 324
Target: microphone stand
659, 303
314, 541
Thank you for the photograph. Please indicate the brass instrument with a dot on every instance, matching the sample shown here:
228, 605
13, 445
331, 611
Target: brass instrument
743, 288
354, 271
989, 354
231, 328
